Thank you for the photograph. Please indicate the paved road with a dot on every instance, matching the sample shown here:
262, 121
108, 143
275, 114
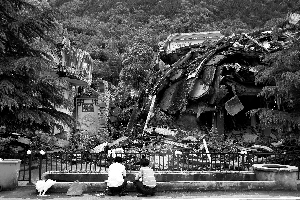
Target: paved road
29, 193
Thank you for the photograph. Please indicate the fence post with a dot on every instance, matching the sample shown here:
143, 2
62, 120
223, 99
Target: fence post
40, 167
41, 163
29, 167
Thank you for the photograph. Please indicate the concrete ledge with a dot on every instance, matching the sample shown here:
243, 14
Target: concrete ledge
285, 176
160, 176
62, 187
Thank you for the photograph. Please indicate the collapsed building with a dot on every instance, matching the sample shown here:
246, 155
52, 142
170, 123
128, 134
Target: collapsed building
206, 81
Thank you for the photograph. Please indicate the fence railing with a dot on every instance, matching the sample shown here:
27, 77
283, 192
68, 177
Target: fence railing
35, 164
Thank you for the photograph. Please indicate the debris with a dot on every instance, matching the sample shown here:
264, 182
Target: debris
176, 75
250, 138
24, 140
178, 152
216, 60
198, 69
176, 144
61, 143
234, 105
116, 142
200, 89
166, 101
114, 152
101, 195
208, 74
165, 131
206, 150
277, 144
294, 18
76, 189
150, 113
100, 148
216, 85
190, 138
268, 149
243, 152
256, 42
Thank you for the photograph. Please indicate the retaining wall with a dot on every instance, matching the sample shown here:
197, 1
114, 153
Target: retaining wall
161, 176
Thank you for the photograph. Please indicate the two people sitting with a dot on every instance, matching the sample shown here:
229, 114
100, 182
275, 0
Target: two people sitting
145, 182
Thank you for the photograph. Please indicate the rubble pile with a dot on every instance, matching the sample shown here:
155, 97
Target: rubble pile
207, 73
213, 75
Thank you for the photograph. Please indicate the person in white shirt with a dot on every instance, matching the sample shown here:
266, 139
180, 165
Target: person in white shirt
145, 181
117, 181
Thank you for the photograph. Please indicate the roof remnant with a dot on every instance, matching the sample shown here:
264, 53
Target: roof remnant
178, 40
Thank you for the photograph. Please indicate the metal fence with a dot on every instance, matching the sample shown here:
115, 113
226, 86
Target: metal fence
35, 164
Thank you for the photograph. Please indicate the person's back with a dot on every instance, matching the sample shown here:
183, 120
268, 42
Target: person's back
148, 177
116, 172
116, 181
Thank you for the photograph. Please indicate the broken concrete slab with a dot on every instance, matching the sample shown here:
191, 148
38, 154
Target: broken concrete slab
76, 189
234, 105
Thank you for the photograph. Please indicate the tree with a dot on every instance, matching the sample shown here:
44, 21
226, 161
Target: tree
282, 72
22, 23
28, 97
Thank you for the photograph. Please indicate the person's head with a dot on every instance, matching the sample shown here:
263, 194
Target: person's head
118, 159
144, 162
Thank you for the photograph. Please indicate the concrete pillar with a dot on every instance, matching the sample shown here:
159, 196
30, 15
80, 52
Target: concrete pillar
253, 121
214, 120
218, 121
